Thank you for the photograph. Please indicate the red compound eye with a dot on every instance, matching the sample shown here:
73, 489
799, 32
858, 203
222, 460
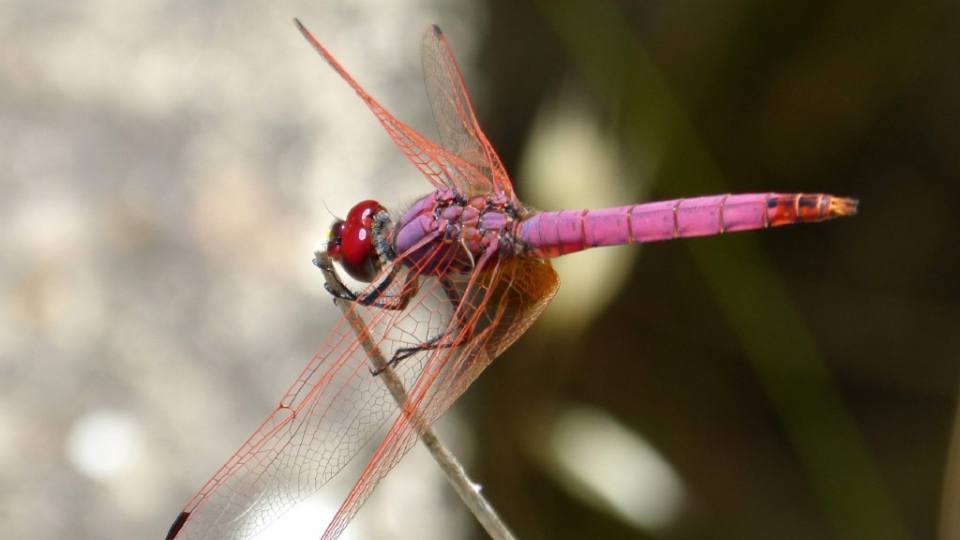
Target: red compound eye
351, 242
335, 240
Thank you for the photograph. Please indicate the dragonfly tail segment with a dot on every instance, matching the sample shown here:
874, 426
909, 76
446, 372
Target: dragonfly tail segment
551, 234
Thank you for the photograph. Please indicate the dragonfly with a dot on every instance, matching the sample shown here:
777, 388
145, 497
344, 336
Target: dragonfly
447, 285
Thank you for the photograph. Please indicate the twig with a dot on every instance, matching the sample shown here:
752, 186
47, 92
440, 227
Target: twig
468, 491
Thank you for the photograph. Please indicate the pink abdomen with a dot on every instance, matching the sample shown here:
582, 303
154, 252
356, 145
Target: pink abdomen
551, 234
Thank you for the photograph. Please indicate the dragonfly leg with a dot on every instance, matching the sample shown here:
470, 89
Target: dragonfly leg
436, 342
377, 297
407, 352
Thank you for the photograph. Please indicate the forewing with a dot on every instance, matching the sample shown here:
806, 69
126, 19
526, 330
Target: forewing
441, 167
459, 131
498, 302
330, 412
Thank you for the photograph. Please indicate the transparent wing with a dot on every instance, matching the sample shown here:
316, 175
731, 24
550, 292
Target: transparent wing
329, 413
444, 168
336, 405
459, 131
500, 301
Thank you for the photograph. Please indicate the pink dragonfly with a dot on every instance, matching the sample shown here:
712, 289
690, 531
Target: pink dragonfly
451, 284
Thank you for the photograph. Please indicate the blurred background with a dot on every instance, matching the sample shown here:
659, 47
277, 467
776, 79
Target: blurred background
166, 169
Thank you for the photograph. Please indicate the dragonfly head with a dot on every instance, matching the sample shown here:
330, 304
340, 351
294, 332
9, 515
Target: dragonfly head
351, 242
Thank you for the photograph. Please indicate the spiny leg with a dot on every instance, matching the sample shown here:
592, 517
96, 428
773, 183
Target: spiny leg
336, 287
376, 297
437, 341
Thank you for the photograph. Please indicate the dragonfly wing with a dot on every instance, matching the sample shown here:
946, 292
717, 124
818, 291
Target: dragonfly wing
336, 405
442, 168
459, 131
498, 302
330, 412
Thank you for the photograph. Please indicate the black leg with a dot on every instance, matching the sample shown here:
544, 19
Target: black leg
376, 297
406, 352
436, 342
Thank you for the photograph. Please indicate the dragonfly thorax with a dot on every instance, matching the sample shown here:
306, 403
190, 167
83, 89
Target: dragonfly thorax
459, 231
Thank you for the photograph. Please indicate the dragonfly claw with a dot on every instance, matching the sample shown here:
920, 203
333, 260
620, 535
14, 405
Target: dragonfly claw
344, 294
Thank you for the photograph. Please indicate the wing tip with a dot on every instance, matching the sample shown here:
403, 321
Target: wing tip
177, 525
